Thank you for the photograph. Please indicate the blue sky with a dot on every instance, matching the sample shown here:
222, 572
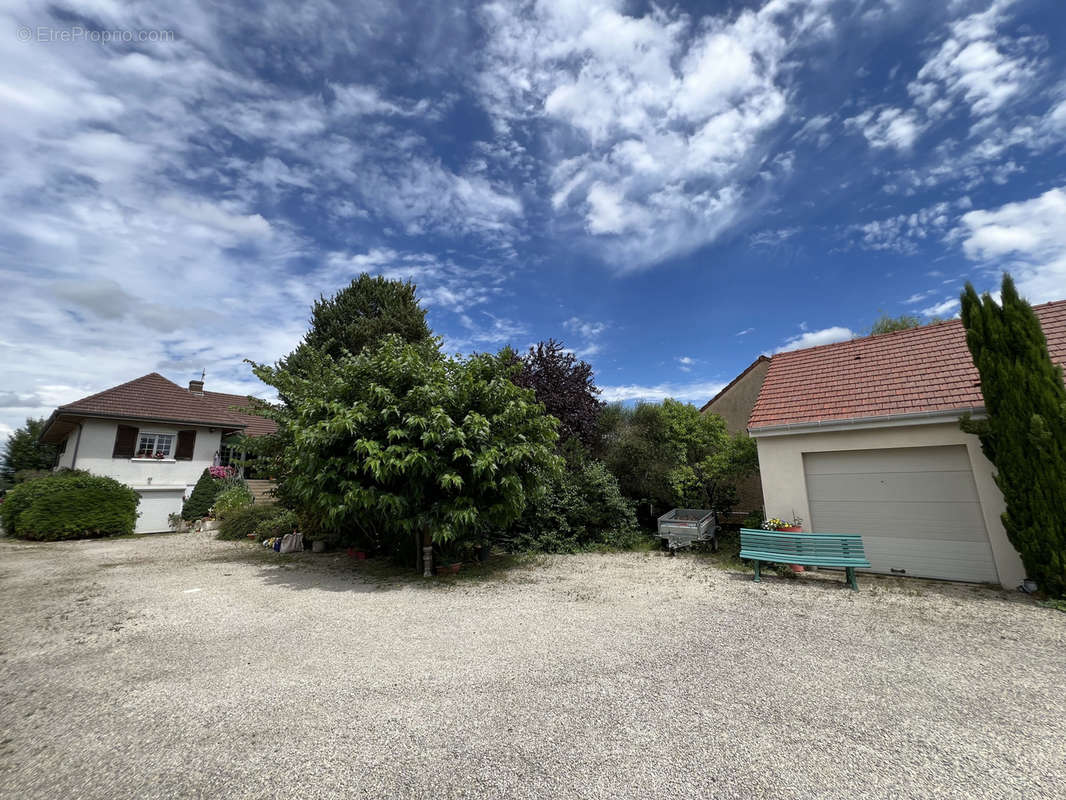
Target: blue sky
672, 191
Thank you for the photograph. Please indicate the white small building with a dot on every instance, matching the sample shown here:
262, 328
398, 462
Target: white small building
153, 435
863, 437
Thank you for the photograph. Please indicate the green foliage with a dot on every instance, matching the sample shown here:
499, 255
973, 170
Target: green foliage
634, 447
581, 508
887, 324
671, 455
15, 503
282, 522
203, 495
245, 521
1024, 434
69, 505
231, 500
358, 316
24, 475
400, 442
23, 451
708, 462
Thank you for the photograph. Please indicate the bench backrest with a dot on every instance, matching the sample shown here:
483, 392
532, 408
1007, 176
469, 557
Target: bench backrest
809, 546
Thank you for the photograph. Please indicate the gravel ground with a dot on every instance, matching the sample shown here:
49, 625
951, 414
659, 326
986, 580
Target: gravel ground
179, 666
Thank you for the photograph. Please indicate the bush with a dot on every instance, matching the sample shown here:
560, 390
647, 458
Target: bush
284, 522
69, 505
212, 483
246, 520
231, 500
582, 510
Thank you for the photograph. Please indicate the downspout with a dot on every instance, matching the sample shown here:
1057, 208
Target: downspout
77, 441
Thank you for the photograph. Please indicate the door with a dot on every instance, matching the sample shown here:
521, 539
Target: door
916, 507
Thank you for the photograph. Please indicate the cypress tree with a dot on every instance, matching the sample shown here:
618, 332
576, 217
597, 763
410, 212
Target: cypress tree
1024, 434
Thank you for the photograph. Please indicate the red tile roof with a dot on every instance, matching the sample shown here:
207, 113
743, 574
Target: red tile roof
905, 372
154, 397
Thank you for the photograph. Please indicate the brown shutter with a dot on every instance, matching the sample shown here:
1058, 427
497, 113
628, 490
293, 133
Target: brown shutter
186, 445
125, 441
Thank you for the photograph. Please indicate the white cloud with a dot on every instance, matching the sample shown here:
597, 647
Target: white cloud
657, 127
589, 332
814, 338
971, 65
917, 297
1028, 238
903, 233
698, 392
949, 306
887, 127
686, 363
745, 332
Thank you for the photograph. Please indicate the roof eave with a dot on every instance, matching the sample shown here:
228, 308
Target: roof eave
204, 423
881, 421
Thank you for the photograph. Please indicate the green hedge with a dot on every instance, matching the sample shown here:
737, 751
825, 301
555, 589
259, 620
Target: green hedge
581, 510
69, 506
246, 520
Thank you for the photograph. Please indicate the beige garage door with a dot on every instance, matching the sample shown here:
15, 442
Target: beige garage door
916, 508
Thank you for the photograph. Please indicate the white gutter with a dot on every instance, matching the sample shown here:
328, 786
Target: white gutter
882, 421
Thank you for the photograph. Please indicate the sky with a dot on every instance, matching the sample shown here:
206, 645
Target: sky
670, 190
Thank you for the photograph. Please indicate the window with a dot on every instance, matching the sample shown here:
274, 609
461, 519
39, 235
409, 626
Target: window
155, 445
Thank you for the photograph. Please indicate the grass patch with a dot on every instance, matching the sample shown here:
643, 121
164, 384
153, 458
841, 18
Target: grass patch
1057, 605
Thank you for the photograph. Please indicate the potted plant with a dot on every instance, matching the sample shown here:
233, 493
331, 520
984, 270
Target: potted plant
784, 526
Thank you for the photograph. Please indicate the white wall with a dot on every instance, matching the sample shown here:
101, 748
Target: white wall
148, 476
785, 487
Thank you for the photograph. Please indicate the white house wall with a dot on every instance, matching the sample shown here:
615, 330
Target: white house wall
785, 488
150, 477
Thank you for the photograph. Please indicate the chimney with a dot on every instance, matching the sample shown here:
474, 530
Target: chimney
196, 387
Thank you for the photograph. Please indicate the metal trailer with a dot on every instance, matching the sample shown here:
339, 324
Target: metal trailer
683, 526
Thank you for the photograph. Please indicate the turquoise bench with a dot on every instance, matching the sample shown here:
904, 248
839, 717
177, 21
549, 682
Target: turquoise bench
814, 549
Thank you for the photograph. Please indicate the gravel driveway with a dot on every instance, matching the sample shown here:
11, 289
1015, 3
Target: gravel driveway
179, 666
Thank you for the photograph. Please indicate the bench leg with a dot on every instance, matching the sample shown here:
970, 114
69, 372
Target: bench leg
757, 562
854, 584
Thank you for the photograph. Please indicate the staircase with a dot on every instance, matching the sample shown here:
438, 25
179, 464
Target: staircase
262, 491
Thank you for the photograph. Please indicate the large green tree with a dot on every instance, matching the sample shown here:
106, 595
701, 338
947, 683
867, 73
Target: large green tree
708, 461
360, 315
399, 442
24, 451
1024, 432
669, 454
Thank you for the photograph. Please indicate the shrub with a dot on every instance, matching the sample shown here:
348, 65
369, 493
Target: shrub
212, 483
231, 500
70, 506
581, 510
282, 523
245, 520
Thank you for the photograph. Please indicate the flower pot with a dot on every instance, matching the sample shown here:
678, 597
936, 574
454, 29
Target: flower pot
796, 567
449, 569
356, 554
318, 546
792, 529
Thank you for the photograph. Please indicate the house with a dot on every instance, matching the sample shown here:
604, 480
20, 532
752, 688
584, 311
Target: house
863, 437
153, 435
734, 405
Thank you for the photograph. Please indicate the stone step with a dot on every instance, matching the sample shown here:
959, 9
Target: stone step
262, 490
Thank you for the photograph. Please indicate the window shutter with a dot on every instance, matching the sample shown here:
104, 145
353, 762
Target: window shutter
125, 441
186, 445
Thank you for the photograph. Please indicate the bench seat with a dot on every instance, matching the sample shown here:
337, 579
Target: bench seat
843, 550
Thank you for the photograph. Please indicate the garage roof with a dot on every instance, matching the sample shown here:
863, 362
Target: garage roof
926, 369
